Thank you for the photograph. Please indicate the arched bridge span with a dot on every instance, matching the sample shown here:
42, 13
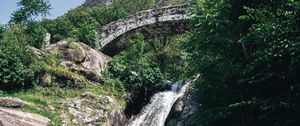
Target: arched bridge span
151, 23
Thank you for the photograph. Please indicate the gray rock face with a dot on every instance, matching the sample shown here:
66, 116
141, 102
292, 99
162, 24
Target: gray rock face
38, 53
160, 21
89, 110
93, 3
80, 58
47, 40
10, 117
11, 102
183, 108
189, 107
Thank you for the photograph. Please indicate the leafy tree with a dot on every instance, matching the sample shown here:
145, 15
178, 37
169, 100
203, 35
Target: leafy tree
36, 34
30, 9
16, 63
106, 14
133, 6
59, 28
85, 33
247, 53
2, 30
134, 68
80, 16
169, 55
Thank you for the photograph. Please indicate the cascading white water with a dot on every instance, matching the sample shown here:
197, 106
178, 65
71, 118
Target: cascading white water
157, 111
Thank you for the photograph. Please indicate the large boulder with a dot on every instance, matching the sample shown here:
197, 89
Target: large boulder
11, 102
80, 58
89, 110
11, 117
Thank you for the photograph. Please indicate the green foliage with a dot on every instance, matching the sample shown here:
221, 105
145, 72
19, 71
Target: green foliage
106, 14
16, 63
133, 6
59, 28
81, 23
55, 119
134, 68
80, 16
248, 55
169, 55
36, 34
85, 33
28, 9
2, 30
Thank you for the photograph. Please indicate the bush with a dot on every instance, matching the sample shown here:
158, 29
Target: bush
59, 28
85, 33
2, 30
80, 16
134, 68
248, 55
106, 14
36, 34
16, 64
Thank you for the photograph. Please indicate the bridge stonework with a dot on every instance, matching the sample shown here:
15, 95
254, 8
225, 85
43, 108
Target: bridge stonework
169, 20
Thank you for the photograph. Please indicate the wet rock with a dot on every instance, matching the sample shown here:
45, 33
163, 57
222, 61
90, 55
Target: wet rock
11, 117
184, 107
178, 107
189, 108
11, 102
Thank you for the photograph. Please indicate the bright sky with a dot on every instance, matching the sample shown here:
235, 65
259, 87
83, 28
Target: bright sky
59, 7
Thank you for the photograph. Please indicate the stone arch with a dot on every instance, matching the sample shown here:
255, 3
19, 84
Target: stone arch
159, 21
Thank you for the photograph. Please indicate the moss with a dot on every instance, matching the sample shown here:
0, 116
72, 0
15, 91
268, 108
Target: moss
74, 45
66, 74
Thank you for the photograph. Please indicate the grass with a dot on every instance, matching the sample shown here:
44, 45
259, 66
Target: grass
61, 71
54, 117
40, 98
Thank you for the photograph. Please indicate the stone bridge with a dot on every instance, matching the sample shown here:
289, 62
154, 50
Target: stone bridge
151, 23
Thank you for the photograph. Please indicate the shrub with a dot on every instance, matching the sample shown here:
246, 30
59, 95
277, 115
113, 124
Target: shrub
2, 30
134, 68
16, 64
36, 34
85, 33
106, 14
80, 16
59, 28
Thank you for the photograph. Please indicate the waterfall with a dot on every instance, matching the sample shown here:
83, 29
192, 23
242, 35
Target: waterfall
157, 111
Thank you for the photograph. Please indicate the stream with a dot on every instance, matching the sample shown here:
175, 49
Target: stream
157, 111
